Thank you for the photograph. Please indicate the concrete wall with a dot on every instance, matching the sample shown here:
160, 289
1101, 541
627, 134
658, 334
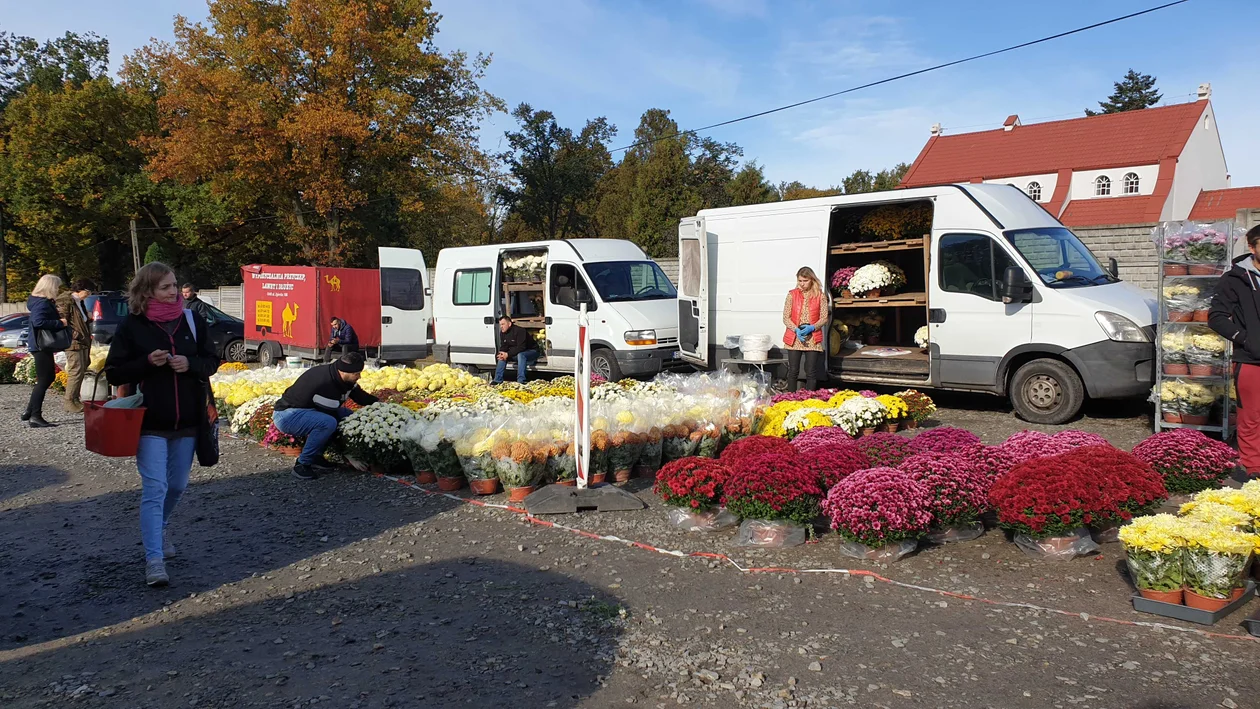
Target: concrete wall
1132, 248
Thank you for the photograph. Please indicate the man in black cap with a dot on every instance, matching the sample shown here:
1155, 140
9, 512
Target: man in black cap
311, 407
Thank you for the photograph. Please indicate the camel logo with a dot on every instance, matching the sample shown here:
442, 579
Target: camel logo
287, 317
334, 284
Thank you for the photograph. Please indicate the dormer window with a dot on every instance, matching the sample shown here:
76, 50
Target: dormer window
1131, 183
1102, 186
1034, 191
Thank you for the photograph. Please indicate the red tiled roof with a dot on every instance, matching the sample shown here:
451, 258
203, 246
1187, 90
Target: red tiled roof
1099, 211
1113, 140
1224, 204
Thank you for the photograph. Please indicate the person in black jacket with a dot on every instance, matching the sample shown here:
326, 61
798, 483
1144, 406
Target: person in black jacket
194, 302
515, 345
342, 337
1235, 315
43, 316
165, 350
311, 407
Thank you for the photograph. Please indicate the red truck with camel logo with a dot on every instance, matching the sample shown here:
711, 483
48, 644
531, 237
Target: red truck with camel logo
288, 308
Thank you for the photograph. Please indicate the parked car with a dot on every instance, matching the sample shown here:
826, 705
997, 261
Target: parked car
11, 329
227, 333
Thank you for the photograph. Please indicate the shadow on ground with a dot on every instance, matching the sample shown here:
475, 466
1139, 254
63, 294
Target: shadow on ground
17, 480
461, 632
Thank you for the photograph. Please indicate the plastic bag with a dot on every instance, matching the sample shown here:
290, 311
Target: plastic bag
1212, 574
707, 521
1079, 543
770, 533
887, 554
957, 533
650, 457
134, 401
1105, 535
1150, 571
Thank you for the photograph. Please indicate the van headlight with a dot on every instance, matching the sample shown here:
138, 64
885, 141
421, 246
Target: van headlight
1120, 328
641, 337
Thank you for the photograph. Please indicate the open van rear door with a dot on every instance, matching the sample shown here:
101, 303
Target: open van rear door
693, 291
406, 307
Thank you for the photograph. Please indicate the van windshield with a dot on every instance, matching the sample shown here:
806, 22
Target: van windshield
620, 281
1059, 258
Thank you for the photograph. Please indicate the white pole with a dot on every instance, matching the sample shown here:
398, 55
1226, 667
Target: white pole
582, 404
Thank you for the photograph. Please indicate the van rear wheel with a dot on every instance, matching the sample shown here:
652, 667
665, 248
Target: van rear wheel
1046, 391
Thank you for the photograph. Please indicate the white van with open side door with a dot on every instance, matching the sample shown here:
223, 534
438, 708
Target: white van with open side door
1013, 303
540, 284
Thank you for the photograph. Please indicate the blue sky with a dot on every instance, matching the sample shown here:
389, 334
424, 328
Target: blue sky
710, 60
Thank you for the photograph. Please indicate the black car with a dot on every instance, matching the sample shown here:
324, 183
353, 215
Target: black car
227, 333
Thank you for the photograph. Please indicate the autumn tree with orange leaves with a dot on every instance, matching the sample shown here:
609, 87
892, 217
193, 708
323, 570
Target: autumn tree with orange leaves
339, 117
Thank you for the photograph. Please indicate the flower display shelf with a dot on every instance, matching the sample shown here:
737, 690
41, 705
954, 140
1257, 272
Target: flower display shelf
1193, 615
900, 299
879, 247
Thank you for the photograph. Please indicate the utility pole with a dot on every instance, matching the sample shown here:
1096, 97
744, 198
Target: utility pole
135, 246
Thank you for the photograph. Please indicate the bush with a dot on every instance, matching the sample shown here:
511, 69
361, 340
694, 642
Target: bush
821, 436
754, 446
833, 462
884, 449
694, 483
959, 491
945, 439
1188, 460
773, 487
1127, 487
993, 461
879, 506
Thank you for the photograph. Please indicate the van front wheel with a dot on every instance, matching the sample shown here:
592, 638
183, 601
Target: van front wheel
604, 363
1046, 391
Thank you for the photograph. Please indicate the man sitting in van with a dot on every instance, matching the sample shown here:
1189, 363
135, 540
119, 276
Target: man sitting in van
311, 407
515, 344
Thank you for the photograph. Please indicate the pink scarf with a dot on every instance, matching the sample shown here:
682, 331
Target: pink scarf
157, 311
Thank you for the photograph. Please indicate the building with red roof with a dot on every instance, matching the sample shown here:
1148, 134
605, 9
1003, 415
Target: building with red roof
1135, 167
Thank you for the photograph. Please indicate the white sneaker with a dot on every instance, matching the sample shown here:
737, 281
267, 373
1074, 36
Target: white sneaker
155, 573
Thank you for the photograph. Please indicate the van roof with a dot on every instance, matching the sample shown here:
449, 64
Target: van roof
584, 249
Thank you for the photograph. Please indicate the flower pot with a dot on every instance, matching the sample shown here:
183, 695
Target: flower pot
450, 484
868, 431
1203, 370
1204, 269
871, 294
567, 483
1180, 316
485, 486
1172, 417
1176, 597
846, 293
1201, 315
621, 476
910, 424
1175, 269
1059, 545
1177, 370
1195, 419
426, 477
888, 427
516, 494
291, 451
1206, 603
598, 478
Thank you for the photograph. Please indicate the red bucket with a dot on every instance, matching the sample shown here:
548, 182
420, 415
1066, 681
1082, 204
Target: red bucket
114, 433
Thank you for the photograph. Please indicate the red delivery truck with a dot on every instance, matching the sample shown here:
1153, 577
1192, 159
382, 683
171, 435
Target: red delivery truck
288, 308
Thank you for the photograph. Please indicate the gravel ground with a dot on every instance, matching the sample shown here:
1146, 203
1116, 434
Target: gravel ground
352, 591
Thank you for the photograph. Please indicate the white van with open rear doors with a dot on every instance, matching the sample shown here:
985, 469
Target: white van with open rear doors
1012, 303
632, 305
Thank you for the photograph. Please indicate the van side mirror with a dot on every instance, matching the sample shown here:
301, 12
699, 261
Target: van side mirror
1113, 267
584, 296
1015, 286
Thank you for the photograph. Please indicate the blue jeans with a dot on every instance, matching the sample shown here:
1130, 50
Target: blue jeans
313, 425
164, 465
523, 360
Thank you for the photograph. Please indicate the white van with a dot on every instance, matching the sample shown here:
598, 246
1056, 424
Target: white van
632, 304
1015, 304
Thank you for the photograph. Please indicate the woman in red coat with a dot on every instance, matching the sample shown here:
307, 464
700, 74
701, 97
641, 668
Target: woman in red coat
805, 317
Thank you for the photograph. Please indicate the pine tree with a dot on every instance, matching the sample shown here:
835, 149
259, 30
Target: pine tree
1134, 92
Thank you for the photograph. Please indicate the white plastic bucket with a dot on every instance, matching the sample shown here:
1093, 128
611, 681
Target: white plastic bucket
756, 348
293, 362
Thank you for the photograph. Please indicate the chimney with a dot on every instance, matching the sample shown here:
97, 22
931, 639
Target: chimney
1205, 91
1011, 121
936, 129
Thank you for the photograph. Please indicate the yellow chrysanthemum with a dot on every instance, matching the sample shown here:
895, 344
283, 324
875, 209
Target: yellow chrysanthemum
1158, 534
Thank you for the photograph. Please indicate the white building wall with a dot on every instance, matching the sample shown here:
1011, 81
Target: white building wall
1083, 181
1200, 167
1047, 182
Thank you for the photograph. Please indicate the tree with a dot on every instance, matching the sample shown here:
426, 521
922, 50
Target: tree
889, 179
749, 186
161, 252
1133, 92
331, 116
72, 58
664, 188
556, 173
797, 190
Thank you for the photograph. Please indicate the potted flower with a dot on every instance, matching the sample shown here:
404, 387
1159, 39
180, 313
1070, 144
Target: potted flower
473, 447
562, 464
1196, 402
1122, 486
869, 279
833, 462
958, 492
1206, 250
282, 443
1181, 301
754, 447
1188, 460
882, 512
866, 414
896, 412
896, 276
801, 420
373, 435
884, 449
775, 496
649, 461
1214, 564
1174, 249
624, 450
840, 281
944, 439
820, 436
1206, 353
519, 467
1170, 394
1172, 345
694, 486
922, 338
676, 442
1045, 503
1153, 547
919, 407
260, 422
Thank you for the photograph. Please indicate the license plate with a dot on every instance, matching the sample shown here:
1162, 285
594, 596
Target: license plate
676, 355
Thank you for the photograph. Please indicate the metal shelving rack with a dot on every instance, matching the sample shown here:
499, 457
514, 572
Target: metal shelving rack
1220, 421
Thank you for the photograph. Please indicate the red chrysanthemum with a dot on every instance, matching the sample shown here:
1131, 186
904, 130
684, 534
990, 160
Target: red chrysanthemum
694, 483
753, 446
833, 462
772, 486
944, 439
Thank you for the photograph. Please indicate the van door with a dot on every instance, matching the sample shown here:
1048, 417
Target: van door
971, 328
406, 309
472, 327
693, 291
564, 280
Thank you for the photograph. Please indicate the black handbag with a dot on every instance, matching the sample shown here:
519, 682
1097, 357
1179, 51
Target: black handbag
53, 340
208, 434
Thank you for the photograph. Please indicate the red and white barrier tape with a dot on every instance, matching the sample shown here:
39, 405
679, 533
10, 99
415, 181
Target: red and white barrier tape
848, 572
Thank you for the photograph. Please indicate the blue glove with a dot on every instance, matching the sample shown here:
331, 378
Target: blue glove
800, 332
807, 330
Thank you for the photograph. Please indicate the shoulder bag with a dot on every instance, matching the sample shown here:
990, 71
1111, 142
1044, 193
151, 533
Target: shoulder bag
53, 340
208, 429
